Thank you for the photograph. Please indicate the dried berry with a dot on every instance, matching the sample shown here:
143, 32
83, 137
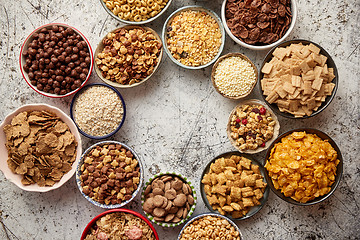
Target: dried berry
244, 121
262, 111
255, 110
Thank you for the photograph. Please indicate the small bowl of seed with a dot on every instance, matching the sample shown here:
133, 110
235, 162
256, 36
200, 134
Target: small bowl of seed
98, 111
168, 199
234, 76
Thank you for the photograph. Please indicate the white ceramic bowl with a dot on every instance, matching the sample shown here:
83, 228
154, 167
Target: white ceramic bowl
265, 47
16, 178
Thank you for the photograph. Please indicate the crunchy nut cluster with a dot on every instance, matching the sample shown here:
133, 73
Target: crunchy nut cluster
168, 199
194, 38
110, 174
135, 10
129, 56
251, 126
210, 227
233, 185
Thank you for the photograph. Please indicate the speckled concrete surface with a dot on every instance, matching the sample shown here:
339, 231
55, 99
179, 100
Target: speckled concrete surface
177, 121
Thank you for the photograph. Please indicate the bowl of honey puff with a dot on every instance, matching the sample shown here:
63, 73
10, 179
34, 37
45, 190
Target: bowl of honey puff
128, 56
298, 79
303, 166
40, 146
233, 184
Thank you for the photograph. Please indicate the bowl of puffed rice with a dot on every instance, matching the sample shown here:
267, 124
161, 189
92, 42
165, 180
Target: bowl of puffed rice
135, 11
210, 226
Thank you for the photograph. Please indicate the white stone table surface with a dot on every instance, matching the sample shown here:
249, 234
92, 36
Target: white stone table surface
177, 122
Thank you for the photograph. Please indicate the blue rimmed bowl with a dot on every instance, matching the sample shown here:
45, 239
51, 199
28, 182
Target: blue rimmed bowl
73, 115
192, 208
96, 203
213, 215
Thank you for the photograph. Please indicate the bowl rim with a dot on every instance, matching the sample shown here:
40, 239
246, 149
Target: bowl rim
124, 210
330, 60
185, 180
267, 143
264, 47
339, 169
133, 22
9, 175
228, 55
255, 209
212, 14
100, 47
214, 215
25, 75
78, 173
73, 117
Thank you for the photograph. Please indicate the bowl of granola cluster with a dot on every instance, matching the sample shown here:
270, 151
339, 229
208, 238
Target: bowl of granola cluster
40, 146
119, 224
193, 37
109, 174
252, 126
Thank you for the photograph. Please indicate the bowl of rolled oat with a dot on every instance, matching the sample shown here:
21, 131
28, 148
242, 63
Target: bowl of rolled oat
135, 11
210, 226
128, 56
234, 76
193, 37
109, 174
252, 126
119, 224
98, 110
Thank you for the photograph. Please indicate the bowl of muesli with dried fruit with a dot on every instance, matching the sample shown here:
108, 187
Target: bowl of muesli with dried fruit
252, 126
119, 224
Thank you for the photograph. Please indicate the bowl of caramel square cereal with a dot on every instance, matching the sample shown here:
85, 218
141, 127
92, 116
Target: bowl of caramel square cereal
303, 166
233, 184
298, 79
252, 126
39, 148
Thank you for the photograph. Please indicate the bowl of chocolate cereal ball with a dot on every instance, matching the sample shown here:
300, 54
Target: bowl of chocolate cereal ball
98, 110
252, 126
40, 147
234, 76
259, 25
119, 224
128, 56
306, 82
135, 11
56, 60
234, 185
168, 199
303, 166
109, 174
193, 37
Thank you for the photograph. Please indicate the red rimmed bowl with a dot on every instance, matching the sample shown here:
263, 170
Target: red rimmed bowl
122, 210
56, 75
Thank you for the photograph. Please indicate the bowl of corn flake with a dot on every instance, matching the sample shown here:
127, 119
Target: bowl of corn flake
40, 146
303, 166
193, 37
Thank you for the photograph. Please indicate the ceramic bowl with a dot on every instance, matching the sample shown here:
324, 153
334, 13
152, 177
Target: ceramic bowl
216, 65
253, 210
262, 47
16, 178
268, 143
213, 215
25, 46
190, 212
121, 210
101, 46
134, 22
330, 63
339, 170
73, 115
194, 8
79, 172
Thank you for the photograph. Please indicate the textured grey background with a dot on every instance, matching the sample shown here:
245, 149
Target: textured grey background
177, 121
